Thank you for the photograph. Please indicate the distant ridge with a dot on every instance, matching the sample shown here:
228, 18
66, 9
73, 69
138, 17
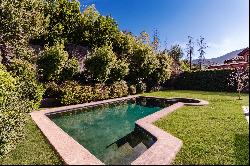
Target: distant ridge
221, 59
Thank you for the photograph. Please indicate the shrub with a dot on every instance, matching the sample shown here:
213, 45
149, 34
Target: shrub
51, 62
100, 63
52, 90
12, 112
206, 80
69, 70
118, 89
132, 90
143, 62
120, 70
141, 87
100, 92
25, 73
163, 71
73, 93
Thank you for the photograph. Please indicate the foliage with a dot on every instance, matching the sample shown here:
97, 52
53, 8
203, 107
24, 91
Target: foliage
143, 62
63, 19
100, 63
190, 50
52, 90
144, 37
207, 80
96, 30
163, 71
239, 78
175, 52
123, 44
100, 92
25, 74
118, 89
69, 69
185, 66
73, 93
156, 41
119, 70
51, 62
141, 87
202, 46
19, 21
12, 111
132, 90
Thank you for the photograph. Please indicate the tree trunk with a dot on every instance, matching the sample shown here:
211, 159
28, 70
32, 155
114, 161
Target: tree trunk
190, 56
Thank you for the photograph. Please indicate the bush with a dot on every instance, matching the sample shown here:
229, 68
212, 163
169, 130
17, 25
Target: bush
132, 90
51, 62
12, 112
73, 93
118, 89
163, 71
143, 63
120, 70
207, 80
141, 87
52, 90
100, 92
100, 63
25, 74
69, 70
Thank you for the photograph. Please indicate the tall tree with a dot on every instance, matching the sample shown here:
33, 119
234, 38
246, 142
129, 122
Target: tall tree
156, 40
190, 50
176, 52
202, 46
165, 45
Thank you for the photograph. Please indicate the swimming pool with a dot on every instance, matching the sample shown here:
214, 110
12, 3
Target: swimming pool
108, 130
114, 131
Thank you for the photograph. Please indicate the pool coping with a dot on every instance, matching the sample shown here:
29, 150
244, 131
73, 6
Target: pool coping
162, 152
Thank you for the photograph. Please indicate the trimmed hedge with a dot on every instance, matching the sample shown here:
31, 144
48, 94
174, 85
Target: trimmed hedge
72, 92
118, 89
100, 92
206, 80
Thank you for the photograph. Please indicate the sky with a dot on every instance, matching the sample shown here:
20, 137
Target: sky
223, 23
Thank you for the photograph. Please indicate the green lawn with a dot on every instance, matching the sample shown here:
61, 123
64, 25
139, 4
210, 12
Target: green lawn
214, 134
33, 150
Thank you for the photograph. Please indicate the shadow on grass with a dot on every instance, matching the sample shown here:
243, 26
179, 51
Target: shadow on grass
242, 149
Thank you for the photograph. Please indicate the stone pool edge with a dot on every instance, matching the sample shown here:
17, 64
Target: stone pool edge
163, 151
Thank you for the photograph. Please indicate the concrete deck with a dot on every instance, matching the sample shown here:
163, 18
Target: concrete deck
162, 152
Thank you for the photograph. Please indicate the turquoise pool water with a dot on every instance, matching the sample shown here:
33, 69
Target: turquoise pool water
108, 131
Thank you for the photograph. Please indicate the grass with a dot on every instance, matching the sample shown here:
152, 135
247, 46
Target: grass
33, 150
214, 134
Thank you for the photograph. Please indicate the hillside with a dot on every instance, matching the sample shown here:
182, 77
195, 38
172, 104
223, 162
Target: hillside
221, 59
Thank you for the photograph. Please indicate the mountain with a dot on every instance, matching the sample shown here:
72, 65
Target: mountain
221, 59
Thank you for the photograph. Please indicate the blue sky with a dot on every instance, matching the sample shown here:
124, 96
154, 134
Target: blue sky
223, 23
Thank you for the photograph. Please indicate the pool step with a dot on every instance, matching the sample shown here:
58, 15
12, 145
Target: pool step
125, 154
137, 151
